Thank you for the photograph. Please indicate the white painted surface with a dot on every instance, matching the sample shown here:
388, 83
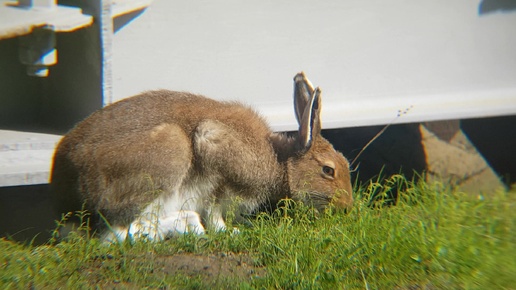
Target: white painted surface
25, 158
371, 58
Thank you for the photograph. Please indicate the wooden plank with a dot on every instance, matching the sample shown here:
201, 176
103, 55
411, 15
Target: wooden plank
16, 21
25, 157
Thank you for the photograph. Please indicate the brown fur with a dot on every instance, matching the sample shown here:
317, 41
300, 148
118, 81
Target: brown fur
124, 156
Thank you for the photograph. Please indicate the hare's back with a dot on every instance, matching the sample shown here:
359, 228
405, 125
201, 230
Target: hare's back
150, 109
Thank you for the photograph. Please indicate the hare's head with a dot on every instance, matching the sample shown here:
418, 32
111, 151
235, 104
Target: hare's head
318, 175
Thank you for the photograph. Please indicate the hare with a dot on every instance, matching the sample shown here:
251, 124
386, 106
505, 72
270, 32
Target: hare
166, 162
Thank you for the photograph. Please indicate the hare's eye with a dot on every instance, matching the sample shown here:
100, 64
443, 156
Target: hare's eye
328, 171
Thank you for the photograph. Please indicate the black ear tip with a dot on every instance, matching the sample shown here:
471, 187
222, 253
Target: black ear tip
299, 77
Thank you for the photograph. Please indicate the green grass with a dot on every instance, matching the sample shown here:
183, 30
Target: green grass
434, 238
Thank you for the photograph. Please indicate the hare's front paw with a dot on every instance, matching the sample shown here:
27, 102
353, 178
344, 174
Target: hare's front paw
181, 222
115, 234
217, 221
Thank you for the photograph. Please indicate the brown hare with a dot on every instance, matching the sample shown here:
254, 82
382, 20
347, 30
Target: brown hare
167, 162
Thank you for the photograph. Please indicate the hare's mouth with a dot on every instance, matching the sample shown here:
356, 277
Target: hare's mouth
321, 201
315, 199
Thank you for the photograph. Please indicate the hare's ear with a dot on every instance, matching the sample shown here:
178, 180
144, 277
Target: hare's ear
310, 124
303, 91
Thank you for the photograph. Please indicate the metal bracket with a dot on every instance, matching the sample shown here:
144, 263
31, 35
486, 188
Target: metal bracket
38, 51
36, 22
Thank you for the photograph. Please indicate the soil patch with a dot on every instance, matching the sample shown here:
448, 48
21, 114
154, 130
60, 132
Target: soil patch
212, 266
213, 269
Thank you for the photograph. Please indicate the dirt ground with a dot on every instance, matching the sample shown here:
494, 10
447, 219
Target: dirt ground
212, 268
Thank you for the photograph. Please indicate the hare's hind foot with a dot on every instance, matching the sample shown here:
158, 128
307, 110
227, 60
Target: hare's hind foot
179, 222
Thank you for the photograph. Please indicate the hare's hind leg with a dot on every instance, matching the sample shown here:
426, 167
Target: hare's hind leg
160, 160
